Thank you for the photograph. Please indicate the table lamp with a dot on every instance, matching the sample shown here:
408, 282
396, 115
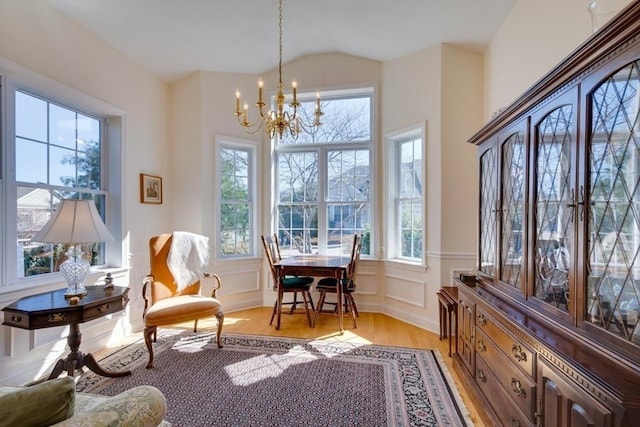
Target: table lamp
75, 221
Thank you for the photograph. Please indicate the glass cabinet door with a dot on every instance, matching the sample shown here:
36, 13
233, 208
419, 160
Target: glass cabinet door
613, 225
512, 191
488, 199
554, 207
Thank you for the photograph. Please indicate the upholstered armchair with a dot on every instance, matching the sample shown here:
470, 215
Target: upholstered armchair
165, 303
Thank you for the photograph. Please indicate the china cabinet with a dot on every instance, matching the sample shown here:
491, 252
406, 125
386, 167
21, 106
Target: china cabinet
550, 333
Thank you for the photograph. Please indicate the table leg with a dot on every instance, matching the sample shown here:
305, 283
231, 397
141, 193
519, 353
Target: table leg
279, 301
442, 318
449, 310
339, 275
77, 360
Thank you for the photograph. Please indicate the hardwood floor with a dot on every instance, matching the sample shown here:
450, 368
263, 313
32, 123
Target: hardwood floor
372, 328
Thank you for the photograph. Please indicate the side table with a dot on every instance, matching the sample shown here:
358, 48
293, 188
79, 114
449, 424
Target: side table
53, 309
448, 307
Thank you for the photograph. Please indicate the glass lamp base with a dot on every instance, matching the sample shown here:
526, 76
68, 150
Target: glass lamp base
74, 270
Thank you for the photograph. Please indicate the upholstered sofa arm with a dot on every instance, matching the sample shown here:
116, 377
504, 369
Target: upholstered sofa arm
140, 406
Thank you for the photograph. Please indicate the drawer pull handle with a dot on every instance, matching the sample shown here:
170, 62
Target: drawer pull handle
517, 352
516, 386
15, 318
481, 346
104, 308
57, 317
482, 320
481, 376
514, 422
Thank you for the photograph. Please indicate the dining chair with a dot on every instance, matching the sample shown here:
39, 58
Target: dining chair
329, 285
166, 303
290, 284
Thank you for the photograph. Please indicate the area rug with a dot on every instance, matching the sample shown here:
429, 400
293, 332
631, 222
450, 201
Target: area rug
274, 381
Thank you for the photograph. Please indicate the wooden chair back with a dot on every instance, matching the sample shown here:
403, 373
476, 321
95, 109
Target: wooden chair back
352, 270
272, 252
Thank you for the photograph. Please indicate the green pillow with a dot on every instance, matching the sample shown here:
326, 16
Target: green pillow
42, 404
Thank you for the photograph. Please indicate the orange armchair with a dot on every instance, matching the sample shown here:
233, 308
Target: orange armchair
165, 304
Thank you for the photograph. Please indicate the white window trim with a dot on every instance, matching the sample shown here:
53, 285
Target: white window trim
391, 139
321, 149
253, 147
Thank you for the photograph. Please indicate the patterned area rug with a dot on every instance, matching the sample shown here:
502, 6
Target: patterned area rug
271, 381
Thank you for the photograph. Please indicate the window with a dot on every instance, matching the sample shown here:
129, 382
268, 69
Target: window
237, 170
324, 179
56, 151
58, 155
406, 163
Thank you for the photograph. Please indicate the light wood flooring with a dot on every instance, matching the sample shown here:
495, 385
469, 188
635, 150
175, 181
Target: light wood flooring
372, 328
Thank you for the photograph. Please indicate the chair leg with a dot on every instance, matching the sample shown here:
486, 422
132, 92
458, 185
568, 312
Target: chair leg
148, 332
273, 313
195, 326
353, 305
294, 303
318, 307
310, 300
352, 309
220, 317
306, 309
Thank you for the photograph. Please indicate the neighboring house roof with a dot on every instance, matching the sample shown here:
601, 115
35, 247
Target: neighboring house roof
34, 198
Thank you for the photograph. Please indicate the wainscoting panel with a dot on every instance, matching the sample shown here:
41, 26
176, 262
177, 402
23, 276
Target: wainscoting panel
239, 282
406, 290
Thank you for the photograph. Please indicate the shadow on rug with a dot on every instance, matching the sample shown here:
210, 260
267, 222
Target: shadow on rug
273, 381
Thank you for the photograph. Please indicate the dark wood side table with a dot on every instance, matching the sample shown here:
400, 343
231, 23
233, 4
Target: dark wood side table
53, 309
448, 306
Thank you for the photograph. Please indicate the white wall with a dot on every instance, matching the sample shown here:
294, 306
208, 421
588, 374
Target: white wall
535, 37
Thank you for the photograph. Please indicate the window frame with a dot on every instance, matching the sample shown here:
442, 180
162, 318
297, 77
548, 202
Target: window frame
393, 140
250, 146
321, 150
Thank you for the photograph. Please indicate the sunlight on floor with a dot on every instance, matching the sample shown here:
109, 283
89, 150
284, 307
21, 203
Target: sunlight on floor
234, 320
264, 366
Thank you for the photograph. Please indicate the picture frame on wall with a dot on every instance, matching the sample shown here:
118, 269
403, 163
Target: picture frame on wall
150, 189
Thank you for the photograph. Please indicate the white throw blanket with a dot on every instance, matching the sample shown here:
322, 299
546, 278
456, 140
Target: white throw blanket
188, 258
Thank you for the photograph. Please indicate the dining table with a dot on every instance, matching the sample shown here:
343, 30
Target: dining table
315, 266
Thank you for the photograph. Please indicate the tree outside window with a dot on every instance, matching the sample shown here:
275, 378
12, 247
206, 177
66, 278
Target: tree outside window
236, 167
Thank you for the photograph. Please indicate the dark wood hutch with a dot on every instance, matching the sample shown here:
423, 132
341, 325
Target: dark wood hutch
549, 335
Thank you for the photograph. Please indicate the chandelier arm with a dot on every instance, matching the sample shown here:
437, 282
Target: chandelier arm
249, 127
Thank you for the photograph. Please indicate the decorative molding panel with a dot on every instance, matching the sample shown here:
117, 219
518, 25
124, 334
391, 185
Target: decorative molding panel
406, 290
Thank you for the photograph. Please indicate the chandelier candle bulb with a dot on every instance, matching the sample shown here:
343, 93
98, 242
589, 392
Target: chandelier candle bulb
260, 84
237, 102
294, 85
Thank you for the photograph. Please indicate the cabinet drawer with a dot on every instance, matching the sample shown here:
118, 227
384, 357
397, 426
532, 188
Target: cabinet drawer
517, 352
104, 309
516, 383
507, 411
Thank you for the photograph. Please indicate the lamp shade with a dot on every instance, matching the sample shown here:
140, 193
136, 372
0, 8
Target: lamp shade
75, 221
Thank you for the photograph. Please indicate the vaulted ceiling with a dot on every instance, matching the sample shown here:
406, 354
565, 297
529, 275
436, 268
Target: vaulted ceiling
172, 38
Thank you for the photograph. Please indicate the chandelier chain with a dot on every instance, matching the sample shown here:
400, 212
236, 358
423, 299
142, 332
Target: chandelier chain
280, 43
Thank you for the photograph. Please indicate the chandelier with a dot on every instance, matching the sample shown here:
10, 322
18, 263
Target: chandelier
281, 122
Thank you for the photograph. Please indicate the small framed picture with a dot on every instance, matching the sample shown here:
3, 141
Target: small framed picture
150, 189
